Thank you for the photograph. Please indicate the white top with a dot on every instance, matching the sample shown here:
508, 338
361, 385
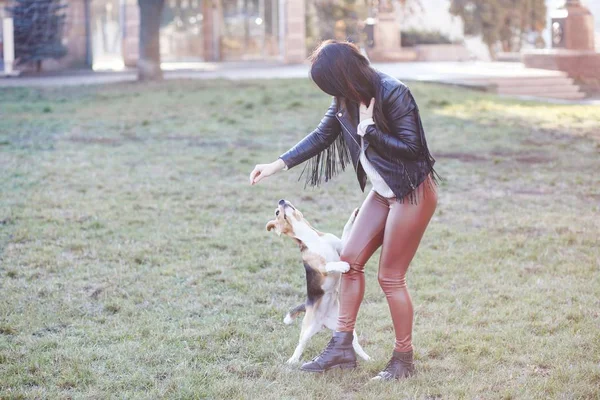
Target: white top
377, 181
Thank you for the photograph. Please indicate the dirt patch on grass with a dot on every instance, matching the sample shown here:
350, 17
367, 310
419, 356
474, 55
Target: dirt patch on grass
197, 141
200, 142
94, 140
526, 230
524, 157
48, 330
521, 157
103, 140
533, 159
533, 192
188, 139
465, 157
248, 144
595, 198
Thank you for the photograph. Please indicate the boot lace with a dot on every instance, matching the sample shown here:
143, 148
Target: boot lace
390, 367
329, 346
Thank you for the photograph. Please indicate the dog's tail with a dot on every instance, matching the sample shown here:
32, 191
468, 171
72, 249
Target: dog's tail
293, 313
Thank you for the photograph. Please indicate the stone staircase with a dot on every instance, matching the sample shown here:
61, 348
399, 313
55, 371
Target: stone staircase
551, 84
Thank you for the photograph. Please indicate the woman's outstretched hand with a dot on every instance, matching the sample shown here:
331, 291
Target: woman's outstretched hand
264, 170
366, 112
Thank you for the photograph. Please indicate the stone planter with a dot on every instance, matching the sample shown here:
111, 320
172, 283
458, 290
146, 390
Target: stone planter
404, 54
508, 56
578, 64
442, 52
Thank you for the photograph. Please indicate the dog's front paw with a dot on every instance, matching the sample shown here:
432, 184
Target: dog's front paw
337, 266
344, 267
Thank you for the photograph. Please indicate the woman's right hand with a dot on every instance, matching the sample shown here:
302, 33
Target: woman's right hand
264, 170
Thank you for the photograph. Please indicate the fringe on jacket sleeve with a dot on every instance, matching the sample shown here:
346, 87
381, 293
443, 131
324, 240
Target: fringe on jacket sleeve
327, 163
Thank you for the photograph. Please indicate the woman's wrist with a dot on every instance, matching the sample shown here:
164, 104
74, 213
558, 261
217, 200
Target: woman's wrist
279, 164
362, 126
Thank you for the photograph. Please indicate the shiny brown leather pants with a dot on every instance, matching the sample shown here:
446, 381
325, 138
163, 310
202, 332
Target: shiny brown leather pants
398, 227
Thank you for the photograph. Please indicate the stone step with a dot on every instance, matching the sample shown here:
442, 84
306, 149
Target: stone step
511, 80
551, 95
525, 89
558, 81
526, 81
557, 86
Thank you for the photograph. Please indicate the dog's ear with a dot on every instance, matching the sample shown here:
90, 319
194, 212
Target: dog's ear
270, 225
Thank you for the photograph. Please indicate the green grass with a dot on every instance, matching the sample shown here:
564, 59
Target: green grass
134, 262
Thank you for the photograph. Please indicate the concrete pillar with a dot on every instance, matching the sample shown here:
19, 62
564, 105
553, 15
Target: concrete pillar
74, 38
294, 39
387, 32
386, 35
209, 30
131, 30
8, 45
579, 27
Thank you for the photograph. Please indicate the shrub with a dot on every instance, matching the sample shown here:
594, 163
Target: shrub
413, 37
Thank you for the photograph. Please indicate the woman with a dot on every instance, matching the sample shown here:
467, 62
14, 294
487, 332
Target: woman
374, 121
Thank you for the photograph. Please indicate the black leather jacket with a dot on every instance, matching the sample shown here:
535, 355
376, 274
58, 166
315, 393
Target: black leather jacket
401, 156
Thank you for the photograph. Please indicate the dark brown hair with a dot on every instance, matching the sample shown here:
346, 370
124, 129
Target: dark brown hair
339, 69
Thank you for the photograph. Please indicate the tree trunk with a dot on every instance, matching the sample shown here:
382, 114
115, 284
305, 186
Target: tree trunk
149, 57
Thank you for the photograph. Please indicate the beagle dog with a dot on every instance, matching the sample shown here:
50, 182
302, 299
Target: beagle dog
321, 257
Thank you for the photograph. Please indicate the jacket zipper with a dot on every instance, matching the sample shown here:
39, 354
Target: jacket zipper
349, 133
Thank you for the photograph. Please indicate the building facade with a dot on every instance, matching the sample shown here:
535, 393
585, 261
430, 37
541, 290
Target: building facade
103, 34
435, 16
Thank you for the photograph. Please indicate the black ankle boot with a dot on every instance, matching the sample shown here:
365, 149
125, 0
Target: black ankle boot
339, 353
400, 366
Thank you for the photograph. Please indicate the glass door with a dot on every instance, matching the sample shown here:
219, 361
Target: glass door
106, 35
181, 36
249, 29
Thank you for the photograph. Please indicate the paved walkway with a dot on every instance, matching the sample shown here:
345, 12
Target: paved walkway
442, 72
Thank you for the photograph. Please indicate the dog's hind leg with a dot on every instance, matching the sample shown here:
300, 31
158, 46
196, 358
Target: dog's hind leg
358, 348
305, 336
309, 327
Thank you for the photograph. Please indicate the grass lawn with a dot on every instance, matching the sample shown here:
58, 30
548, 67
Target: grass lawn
134, 262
